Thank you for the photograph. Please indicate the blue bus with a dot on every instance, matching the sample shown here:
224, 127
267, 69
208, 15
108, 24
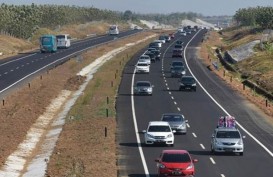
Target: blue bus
48, 43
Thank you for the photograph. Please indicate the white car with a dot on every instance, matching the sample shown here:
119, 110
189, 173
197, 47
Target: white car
159, 42
142, 67
145, 58
159, 132
162, 39
183, 33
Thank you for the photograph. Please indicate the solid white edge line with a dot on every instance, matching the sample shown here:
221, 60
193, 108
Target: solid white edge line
247, 132
136, 128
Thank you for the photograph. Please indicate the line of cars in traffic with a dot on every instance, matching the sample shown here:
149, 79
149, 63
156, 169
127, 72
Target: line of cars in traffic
170, 162
179, 162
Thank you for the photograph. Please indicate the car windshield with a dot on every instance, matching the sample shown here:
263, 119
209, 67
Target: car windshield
142, 64
143, 84
177, 64
187, 80
159, 128
176, 158
144, 57
179, 68
172, 118
178, 46
228, 134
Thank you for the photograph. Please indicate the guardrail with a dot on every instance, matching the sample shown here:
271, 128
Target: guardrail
246, 82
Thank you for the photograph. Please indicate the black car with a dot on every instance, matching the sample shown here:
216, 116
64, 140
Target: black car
178, 71
154, 45
151, 55
179, 42
187, 83
157, 54
178, 46
176, 63
177, 53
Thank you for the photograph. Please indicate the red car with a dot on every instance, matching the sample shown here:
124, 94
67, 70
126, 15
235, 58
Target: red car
171, 35
175, 163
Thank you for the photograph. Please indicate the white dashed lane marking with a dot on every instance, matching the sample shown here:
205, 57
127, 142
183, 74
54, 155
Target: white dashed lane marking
6, 73
11, 70
194, 135
172, 97
168, 88
222, 175
175, 103
17, 67
188, 125
202, 146
212, 161
170, 93
178, 109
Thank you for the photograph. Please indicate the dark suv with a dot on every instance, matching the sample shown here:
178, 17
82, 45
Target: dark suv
187, 83
177, 53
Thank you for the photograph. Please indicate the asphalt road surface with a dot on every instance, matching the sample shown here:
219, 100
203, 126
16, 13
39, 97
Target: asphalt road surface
18, 69
202, 110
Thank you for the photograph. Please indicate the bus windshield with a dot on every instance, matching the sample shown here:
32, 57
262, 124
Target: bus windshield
46, 40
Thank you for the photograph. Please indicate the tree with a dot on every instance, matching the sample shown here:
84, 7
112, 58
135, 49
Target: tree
127, 15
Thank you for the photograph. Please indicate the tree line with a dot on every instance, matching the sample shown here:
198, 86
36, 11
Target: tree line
255, 16
23, 20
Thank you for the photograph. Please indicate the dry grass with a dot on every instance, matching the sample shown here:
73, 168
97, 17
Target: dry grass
82, 149
83, 140
207, 49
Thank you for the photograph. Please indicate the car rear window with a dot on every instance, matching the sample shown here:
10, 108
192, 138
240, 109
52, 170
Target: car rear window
159, 128
228, 134
143, 84
176, 158
172, 118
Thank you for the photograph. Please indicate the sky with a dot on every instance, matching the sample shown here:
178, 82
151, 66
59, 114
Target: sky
204, 7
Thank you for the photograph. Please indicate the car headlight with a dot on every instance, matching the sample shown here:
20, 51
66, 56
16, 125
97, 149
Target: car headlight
181, 84
170, 135
149, 89
194, 84
183, 72
161, 166
150, 136
189, 167
182, 126
240, 142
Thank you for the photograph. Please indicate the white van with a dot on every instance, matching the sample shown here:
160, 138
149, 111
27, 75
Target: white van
63, 41
113, 30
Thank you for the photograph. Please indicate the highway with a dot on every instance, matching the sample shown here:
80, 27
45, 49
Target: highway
202, 110
18, 69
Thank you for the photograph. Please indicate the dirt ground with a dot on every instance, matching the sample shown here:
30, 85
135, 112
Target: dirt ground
207, 54
83, 148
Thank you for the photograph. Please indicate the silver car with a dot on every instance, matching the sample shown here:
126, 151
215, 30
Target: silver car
143, 88
227, 140
176, 121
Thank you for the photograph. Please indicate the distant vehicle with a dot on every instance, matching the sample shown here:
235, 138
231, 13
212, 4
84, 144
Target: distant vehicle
114, 30
183, 33
179, 42
178, 71
143, 88
167, 38
187, 83
176, 63
226, 137
171, 35
156, 45
178, 46
159, 132
159, 42
142, 67
145, 58
151, 55
177, 53
48, 43
63, 41
162, 39
177, 122
175, 163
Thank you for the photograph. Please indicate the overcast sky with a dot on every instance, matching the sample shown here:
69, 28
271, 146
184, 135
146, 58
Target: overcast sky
205, 7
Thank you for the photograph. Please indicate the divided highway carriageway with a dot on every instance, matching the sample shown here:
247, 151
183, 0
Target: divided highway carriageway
22, 67
202, 110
